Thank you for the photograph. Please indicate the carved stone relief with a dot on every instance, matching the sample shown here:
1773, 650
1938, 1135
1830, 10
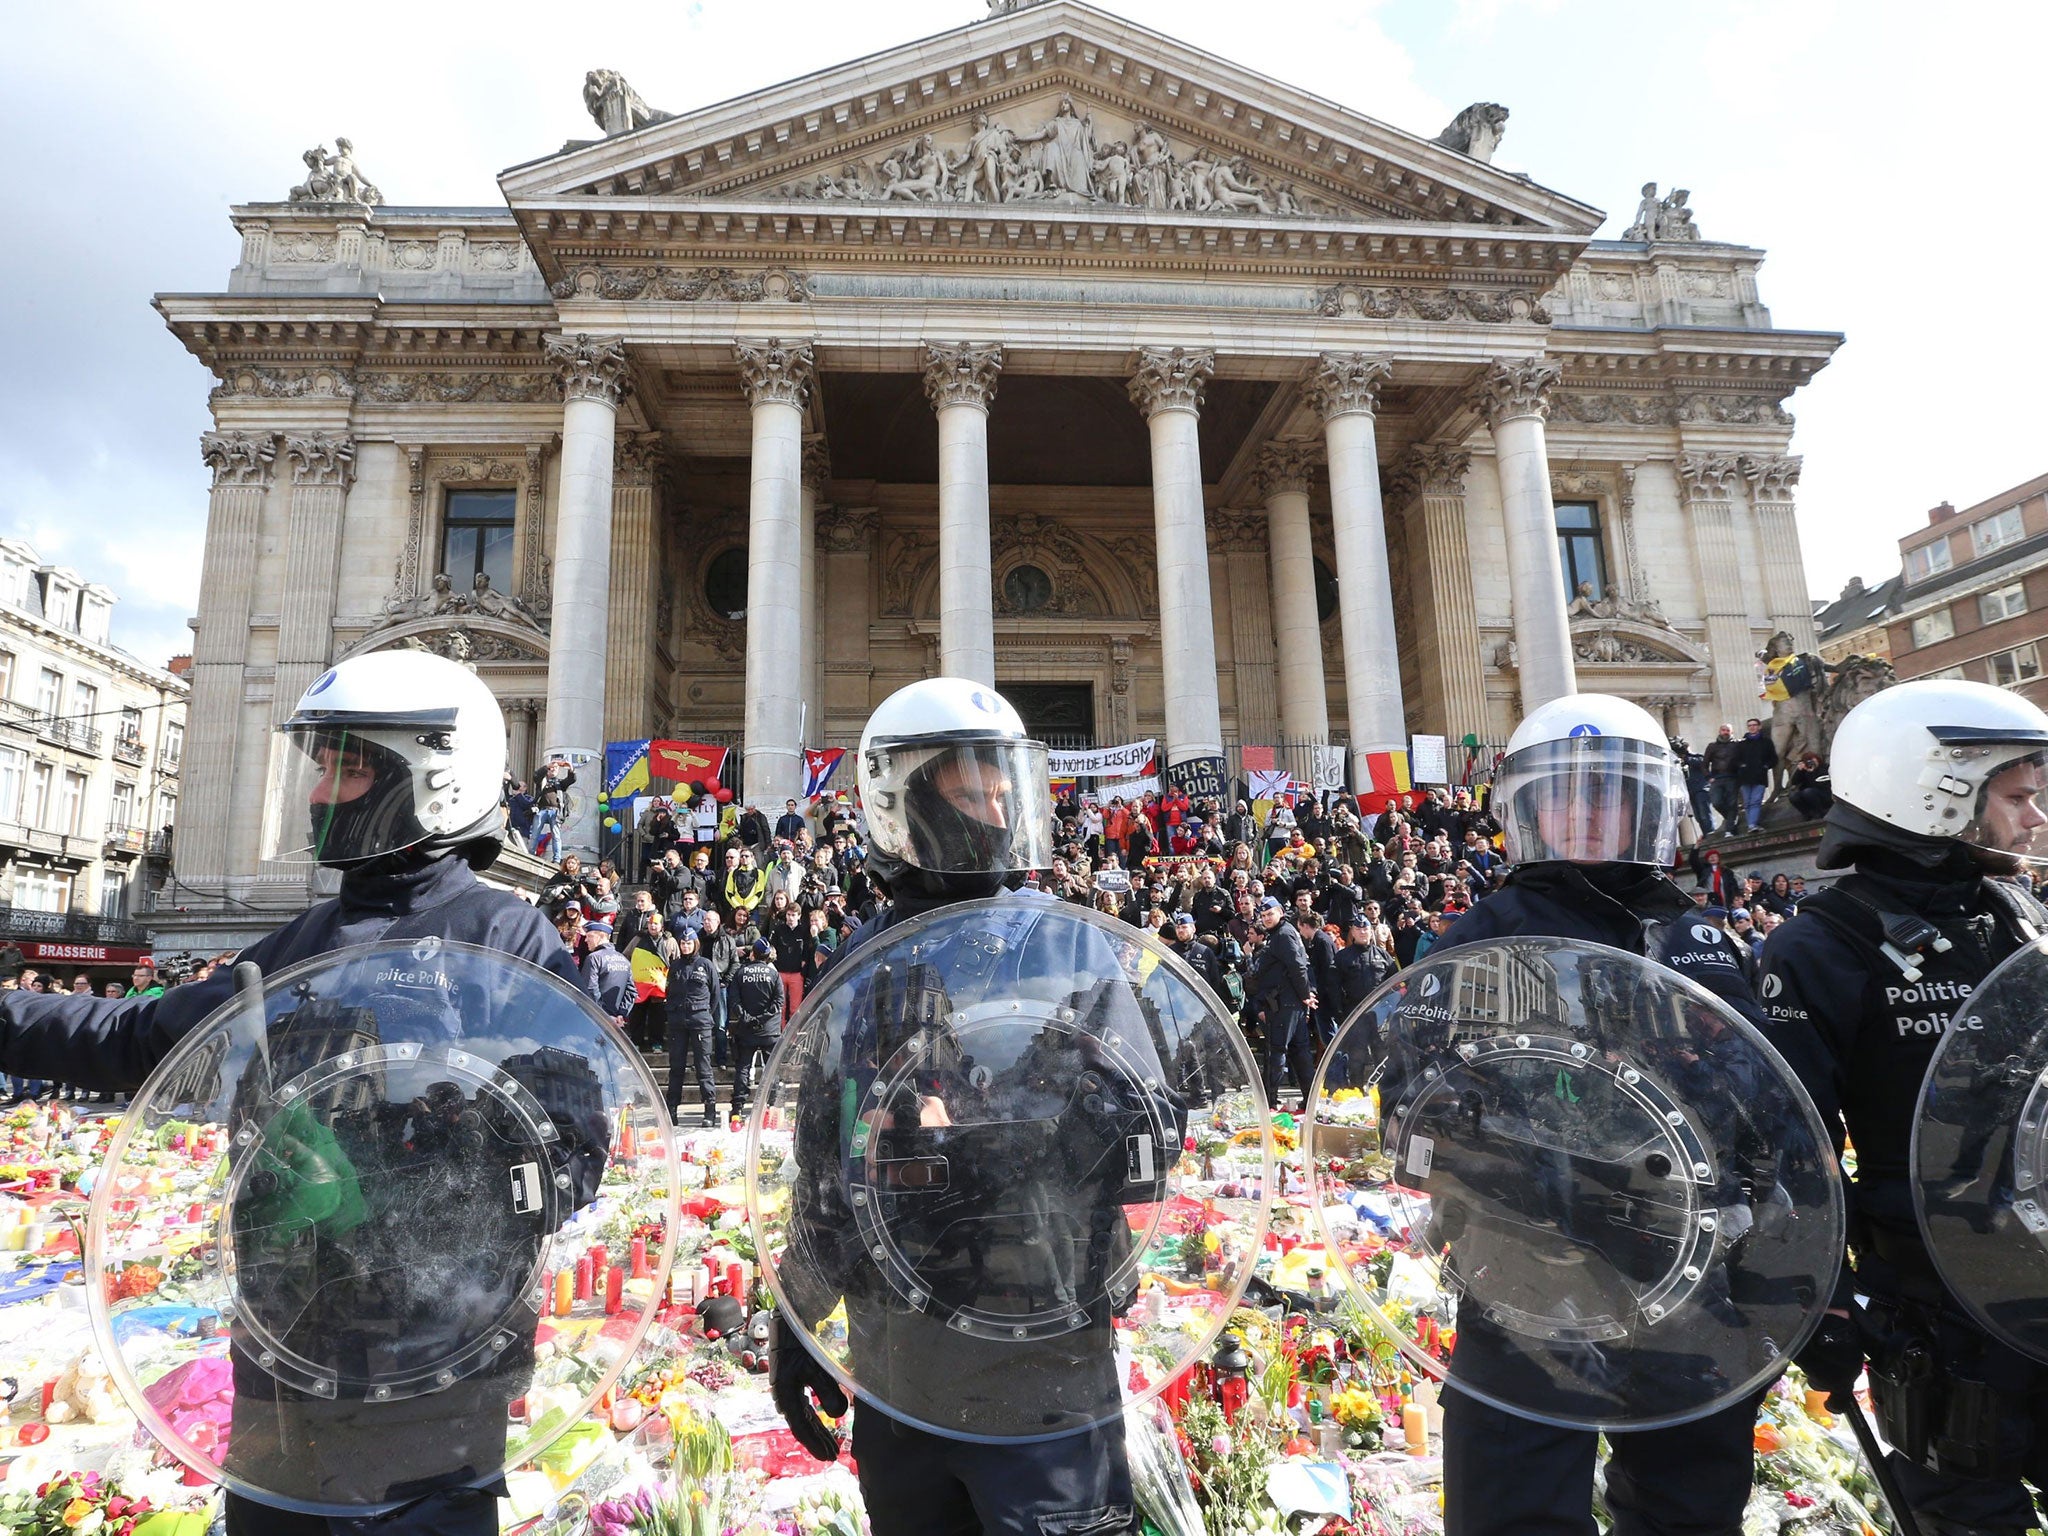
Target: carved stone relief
667, 285
1482, 305
286, 384
485, 386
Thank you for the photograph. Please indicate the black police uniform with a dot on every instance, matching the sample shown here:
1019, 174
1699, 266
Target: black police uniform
1969, 1416
1510, 1476
1277, 984
753, 1019
1202, 959
916, 1483
695, 1008
113, 1043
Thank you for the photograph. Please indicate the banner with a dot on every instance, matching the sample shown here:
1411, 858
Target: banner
1428, 758
1176, 867
650, 976
819, 766
1116, 881
1257, 759
1201, 777
1103, 762
1130, 789
1329, 768
1387, 774
1267, 783
686, 762
625, 768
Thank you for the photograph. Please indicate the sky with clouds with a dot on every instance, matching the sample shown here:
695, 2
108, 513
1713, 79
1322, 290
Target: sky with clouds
1885, 153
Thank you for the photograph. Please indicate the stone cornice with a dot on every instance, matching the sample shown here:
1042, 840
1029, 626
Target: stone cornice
961, 374
1170, 379
772, 372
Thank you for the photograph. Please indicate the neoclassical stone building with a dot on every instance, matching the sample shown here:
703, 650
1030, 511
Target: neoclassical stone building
1048, 351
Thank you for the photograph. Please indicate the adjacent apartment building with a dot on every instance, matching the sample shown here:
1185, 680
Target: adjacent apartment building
90, 743
1973, 594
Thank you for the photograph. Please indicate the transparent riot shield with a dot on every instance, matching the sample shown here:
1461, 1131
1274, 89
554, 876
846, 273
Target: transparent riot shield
1573, 1184
1980, 1151
348, 1194
1008, 1168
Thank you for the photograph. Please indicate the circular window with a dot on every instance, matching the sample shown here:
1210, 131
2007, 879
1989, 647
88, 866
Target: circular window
1326, 592
1027, 589
725, 584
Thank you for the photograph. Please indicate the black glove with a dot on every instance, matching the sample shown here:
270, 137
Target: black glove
794, 1376
1833, 1359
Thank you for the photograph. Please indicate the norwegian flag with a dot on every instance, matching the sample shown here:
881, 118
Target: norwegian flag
819, 766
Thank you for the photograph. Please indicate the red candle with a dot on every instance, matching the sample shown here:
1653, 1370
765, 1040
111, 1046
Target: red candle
639, 1258
734, 1285
599, 1256
614, 1289
192, 1214
584, 1274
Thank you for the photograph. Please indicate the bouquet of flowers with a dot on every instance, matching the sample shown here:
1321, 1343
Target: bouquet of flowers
75, 1504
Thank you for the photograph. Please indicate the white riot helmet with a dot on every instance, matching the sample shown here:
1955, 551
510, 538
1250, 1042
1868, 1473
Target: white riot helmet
951, 785
1589, 779
1930, 759
394, 750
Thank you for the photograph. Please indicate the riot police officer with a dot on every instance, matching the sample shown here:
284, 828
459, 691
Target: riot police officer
957, 804
1589, 795
388, 770
753, 1012
1199, 954
1938, 788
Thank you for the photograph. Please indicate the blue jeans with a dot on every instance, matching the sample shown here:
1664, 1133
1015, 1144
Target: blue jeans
1753, 804
544, 823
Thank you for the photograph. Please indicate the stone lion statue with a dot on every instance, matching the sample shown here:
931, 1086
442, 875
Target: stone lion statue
1476, 131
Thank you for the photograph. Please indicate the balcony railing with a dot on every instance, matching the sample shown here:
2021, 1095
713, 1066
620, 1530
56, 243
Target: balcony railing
131, 749
75, 734
124, 842
159, 844
69, 927
14, 834
167, 761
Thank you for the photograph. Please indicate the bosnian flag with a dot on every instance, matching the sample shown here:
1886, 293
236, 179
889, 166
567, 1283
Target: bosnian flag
819, 766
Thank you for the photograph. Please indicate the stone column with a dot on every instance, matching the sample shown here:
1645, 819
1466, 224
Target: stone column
1285, 469
846, 535
1344, 387
593, 370
322, 468
634, 580
1707, 480
960, 382
816, 471
1240, 538
1515, 399
241, 464
1430, 482
1167, 386
777, 379
1772, 485
521, 736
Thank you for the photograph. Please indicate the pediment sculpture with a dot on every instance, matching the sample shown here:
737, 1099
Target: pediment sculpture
1069, 159
441, 600
334, 178
1476, 131
616, 106
1612, 605
1667, 219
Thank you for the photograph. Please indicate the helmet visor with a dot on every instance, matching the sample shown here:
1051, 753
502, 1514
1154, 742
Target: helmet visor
1590, 800
963, 807
337, 796
2004, 793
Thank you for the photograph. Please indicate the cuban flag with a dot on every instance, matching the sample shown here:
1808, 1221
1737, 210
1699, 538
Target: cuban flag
819, 766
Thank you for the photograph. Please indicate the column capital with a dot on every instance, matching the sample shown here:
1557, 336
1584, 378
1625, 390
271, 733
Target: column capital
961, 373
1428, 469
1170, 379
774, 373
1771, 478
590, 367
1238, 530
1516, 386
817, 464
238, 458
1707, 476
1286, 464
321, 460
1344, 383
637, 458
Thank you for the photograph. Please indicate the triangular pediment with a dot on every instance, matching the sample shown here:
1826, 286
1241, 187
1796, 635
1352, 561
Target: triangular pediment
1051, 110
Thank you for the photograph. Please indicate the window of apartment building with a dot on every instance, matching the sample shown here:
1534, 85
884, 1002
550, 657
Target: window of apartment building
35, 801
113, 893
1932, 628
121, 809
42, 890
2019, 665
1928, 560
13, 582
1949, 675
13, 776
85, 701
166, 809
477, 536
130, 728
49, 692
6, 674
1578, 547
174, 743
1997, 531
2008, 602
70, 804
